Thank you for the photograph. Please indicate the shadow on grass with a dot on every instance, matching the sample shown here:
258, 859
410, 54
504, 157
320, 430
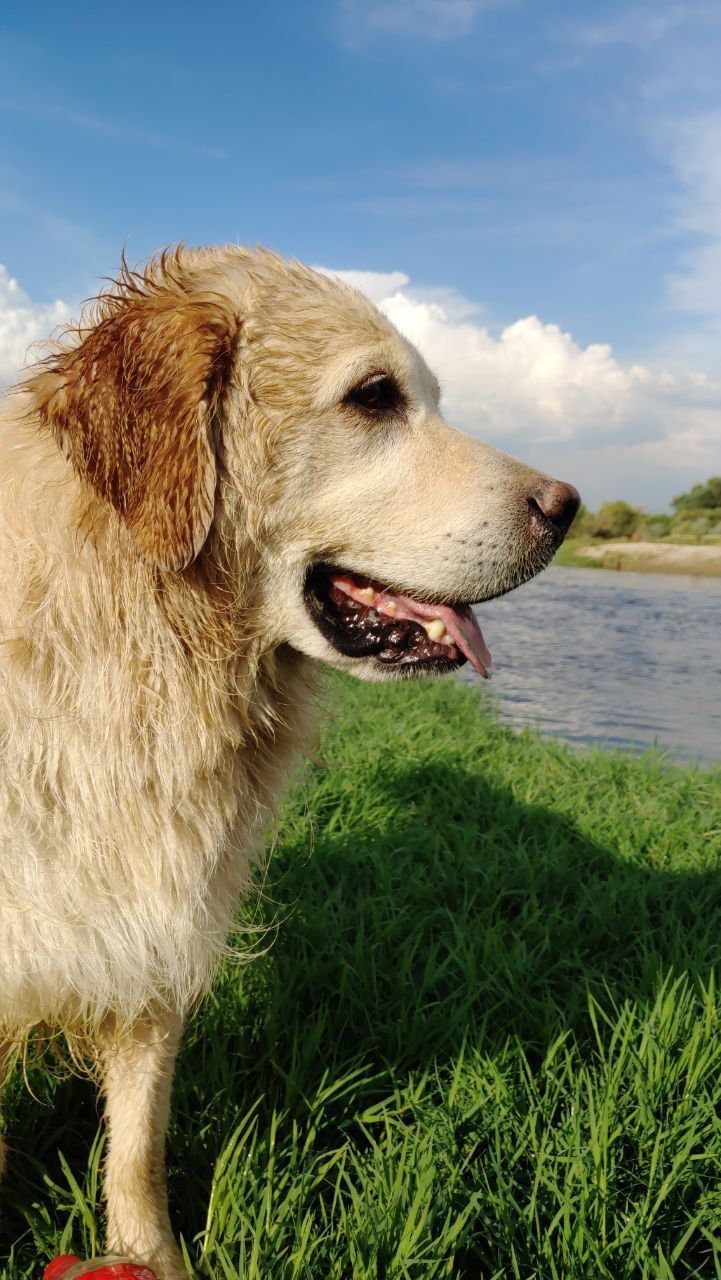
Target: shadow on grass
446, 914
469, 916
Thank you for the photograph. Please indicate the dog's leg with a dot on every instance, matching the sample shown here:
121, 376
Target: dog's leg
137, 1068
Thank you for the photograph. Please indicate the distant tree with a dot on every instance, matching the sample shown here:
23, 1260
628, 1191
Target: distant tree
614, 520
581, 523
695, 524
702, 497
654, 526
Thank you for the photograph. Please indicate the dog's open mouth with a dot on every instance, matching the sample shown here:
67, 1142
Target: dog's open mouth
363, 618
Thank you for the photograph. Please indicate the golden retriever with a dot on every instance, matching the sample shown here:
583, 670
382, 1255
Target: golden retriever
232, 470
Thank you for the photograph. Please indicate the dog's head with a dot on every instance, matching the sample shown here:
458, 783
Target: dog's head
227, 404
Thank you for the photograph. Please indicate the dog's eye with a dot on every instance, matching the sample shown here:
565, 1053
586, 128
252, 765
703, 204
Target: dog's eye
380, 394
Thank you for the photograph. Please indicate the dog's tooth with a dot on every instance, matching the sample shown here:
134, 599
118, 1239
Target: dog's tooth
435, 629
391, 607
368, 594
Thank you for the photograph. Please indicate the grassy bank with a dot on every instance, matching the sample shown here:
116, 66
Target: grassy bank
642, 557
481, 1039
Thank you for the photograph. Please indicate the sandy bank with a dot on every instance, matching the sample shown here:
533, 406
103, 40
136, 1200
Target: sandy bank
656, 557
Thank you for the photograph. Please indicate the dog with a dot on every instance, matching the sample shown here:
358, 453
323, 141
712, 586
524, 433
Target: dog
231, 471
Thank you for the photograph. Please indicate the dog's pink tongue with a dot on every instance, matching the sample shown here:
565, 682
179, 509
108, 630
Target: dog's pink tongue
461, 624
470, 640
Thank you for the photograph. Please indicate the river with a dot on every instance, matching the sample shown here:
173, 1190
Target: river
616, 659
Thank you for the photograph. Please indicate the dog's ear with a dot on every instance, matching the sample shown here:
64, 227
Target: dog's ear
132, 406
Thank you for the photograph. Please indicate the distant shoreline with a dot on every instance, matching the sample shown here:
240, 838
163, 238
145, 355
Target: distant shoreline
646, 557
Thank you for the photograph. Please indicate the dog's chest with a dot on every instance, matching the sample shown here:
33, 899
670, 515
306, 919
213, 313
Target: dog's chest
125, 849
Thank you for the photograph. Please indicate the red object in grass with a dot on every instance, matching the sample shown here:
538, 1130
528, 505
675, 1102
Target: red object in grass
68, 1266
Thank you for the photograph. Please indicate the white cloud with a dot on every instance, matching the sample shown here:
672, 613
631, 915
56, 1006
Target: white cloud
102, 127
423, 19
22, 323
533, 389
693, 148
615, 429
674, 94
643, 24
663, 58
376, 285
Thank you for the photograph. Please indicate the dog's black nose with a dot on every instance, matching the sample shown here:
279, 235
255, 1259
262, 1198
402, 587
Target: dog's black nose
557, 502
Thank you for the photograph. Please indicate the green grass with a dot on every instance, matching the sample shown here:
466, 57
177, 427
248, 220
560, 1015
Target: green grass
482, 1040
570, 557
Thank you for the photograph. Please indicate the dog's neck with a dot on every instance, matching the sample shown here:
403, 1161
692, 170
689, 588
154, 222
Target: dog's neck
142, 712
189, 639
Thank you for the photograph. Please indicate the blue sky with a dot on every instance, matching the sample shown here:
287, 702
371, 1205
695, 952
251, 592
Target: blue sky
536, 186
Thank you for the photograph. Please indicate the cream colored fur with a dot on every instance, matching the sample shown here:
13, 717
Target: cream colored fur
156, 681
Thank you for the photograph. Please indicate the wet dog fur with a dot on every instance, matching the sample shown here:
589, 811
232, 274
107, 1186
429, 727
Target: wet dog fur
169, 474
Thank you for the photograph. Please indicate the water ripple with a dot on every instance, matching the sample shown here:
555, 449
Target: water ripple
615, 659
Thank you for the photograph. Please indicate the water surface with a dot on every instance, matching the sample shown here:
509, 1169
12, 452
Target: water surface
618, 659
